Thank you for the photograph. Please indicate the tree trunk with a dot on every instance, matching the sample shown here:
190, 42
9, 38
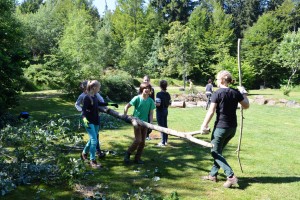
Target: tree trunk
135, 121
178, 104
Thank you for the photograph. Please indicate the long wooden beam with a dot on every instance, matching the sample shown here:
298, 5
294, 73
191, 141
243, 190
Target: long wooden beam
135, 121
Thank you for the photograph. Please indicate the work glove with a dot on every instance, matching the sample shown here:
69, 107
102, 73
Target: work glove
114, 104
242, 90
85, 122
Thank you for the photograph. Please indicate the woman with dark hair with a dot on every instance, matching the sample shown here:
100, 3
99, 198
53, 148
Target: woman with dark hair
143, 106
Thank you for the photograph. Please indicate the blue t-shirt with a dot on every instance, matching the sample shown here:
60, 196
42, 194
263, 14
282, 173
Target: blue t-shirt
227, 100
142, 107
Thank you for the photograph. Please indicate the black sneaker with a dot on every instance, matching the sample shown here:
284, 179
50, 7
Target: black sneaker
101, 154
140, 162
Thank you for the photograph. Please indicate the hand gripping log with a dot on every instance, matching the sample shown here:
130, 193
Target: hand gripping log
134, 121
242, 117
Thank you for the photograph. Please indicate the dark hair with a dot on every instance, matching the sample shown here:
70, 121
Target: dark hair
143, 86
83, 84
163, 84
209, 81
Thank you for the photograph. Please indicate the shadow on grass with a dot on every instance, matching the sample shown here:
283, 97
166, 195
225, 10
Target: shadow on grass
251, 94
172, 163
245, 182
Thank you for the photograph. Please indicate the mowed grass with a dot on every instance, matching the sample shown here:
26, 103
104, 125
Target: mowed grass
269, 155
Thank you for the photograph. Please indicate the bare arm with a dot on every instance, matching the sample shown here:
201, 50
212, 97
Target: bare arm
151, 116
210, 113
245, 102
126, 108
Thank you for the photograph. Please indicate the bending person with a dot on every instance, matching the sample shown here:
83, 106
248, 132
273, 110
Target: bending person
143, 106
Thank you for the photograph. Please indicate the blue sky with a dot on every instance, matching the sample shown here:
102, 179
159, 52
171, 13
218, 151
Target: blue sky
100, 4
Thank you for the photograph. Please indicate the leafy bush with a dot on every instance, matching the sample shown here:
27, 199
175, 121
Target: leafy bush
28, 85
118, 85
44, 76
230, 64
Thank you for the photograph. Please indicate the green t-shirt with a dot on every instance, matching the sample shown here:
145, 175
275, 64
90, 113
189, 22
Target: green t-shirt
142, 107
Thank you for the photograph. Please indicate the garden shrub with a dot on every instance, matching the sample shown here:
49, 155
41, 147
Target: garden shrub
118, 85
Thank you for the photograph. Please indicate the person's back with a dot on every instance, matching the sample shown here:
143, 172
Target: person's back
209, 87
227, 100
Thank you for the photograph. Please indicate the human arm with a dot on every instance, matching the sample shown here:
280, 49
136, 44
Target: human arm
245, 102
208, 116
78, 107
151, 116
108, 104
102, 103
78, 102
126, 108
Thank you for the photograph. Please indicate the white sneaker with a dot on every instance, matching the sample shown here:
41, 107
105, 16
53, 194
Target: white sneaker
148, 138
160, 145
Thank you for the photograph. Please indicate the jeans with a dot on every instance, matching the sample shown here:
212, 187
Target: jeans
220, 138
162, 117
98, 143
138, 144
93, 141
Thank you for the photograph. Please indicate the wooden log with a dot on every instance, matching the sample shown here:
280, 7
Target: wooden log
135, 121
178, 104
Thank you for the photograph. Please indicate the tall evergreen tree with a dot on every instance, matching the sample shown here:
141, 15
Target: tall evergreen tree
30, 6
174, 10
12, 55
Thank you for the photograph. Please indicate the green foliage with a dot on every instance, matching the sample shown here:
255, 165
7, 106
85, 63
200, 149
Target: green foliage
155, 65
231, 64
79, 46
43, 28
107, 47
178, 50
288, 54
133, 57
118, 85
43, 76
212, 35
109, 122
261, 41
7, 119
286, 90
12, 55
38, 154
128, 21
174, 10
30, 6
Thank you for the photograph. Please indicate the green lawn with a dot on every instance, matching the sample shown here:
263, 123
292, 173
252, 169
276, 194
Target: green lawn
269, 155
